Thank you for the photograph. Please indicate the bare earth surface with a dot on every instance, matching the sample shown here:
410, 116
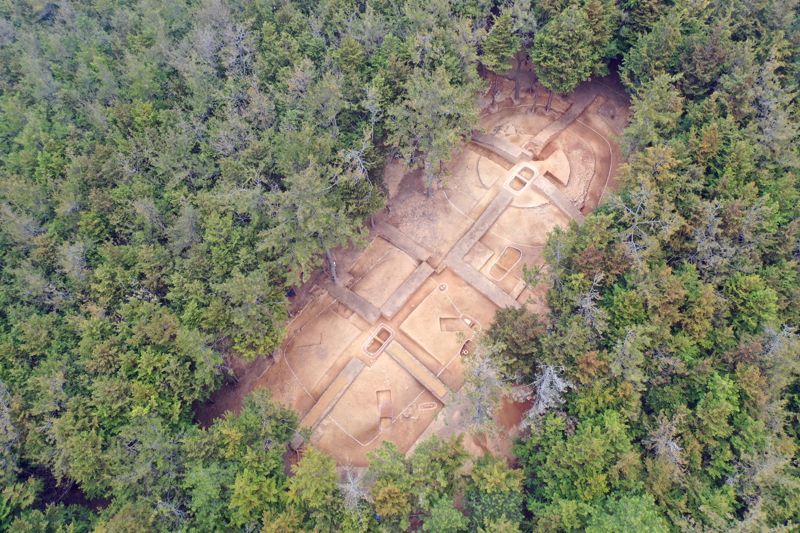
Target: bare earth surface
378, 357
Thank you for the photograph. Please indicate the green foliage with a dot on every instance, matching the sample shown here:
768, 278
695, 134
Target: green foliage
502, 525
392, 504
753, 303
604, 19
431, 120
242, 312
501, 43
569, 48
655, 52
15, 498
657, 107
168, 172
585, 466
308, 220
516, 331
435, 465
427, 481
629, 513
494, 494
445, 518
314, 491
666, 306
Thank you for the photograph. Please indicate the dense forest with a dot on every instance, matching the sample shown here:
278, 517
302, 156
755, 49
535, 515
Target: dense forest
169, 170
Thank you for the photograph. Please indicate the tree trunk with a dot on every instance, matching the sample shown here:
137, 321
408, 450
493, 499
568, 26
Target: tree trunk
549, 101
428, 180
331, 262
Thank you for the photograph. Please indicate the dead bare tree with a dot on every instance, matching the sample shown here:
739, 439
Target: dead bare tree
354, 158
780, 362
664, 442
18, 225
628, 356
353, 487
549, 389
484, 387
593, 315
9, 436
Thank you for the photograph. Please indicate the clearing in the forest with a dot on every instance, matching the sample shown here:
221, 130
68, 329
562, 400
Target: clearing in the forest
378, 356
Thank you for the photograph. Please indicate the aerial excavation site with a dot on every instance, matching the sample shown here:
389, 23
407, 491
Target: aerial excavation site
378, 355
355, 266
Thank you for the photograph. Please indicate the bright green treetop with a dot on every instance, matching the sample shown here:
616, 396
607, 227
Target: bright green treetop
563, 51
501, 44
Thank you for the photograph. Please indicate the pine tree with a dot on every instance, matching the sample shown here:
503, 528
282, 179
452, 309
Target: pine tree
311, 220
563, 52
501, 44
431, 120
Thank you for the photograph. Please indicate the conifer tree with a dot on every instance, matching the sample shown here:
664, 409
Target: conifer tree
501, 44
431, 120
563, 52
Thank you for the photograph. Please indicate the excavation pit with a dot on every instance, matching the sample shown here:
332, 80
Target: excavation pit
517, 183
378, 341
507, 261
435, 271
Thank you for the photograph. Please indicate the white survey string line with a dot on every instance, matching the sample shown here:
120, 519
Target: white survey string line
378, 434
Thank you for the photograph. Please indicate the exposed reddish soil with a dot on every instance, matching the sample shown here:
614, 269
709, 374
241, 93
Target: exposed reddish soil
406, 384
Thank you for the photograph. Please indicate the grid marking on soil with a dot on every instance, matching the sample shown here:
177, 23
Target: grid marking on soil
501, 147
377, 436
332, 394
357, 303
498, 296
407, 289
402, 241
558, 198
477, 256
580, 101
481, 226
412, 365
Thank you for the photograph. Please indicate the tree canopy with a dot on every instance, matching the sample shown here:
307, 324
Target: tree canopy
170, 170
501, 43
